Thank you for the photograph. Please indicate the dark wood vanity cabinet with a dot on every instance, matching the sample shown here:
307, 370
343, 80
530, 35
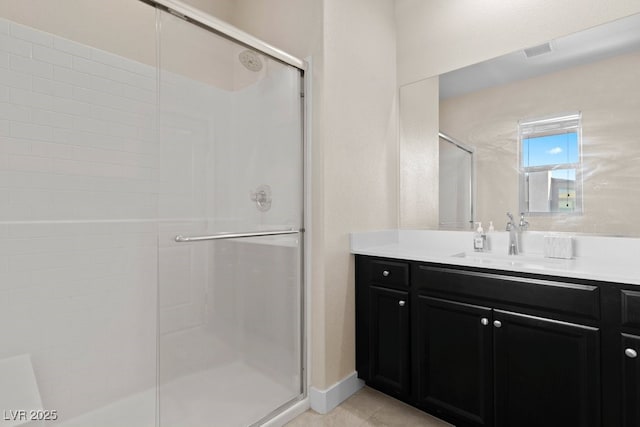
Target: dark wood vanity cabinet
629, 355
495, 348
546, 372
383, 327
630, 352
453, 359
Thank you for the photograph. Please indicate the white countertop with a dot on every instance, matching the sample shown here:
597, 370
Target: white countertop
609, 259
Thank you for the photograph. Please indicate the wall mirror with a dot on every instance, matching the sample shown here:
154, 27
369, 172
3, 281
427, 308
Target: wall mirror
580, 175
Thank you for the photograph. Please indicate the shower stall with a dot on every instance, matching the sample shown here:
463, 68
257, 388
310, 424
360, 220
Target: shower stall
151, 219
457, 184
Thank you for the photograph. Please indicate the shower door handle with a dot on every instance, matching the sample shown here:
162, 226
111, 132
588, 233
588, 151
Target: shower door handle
222, 236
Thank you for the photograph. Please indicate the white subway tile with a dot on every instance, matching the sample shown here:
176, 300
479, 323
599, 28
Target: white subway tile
98, 98
87, 139
90, 125
51, 87
123, 131
132, 79
148, 135
30, 163
123, 63
87, 81
30, 198
113, 115
5, 94
4, 26
31, 66
72, 167
71, 106
31, 99
13, 79
15, 146
71, 47
52, 56
4, 59
14, 112
51, 150
52, 118
4, 165
89, 154
90, 67
136, 146
5, 128
16, 46
30, 34
31, 131
140, 94
35, 246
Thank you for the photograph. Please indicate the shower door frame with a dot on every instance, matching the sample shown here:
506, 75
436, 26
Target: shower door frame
223, 29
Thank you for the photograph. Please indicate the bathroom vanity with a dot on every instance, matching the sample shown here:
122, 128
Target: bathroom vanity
497, 341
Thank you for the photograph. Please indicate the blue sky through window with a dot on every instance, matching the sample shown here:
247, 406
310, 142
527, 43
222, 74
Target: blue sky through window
550, 150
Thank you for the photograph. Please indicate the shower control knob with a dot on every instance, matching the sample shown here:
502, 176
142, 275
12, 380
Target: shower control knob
385, 273
401, 303
631, 353
484, 321
497, 323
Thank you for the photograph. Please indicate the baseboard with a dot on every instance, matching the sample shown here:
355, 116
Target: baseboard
323, 401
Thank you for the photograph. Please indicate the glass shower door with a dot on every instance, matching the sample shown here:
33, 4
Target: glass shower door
230, 293
456, 199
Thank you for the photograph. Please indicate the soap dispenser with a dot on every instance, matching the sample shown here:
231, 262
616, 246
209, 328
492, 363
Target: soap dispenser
479, 238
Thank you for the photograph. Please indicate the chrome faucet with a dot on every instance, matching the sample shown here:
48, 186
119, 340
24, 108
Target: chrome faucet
515, 231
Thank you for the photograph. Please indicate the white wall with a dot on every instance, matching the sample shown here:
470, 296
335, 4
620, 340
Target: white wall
360, 163
419, 166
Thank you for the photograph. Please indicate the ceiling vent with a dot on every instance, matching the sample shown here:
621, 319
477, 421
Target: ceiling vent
538, 50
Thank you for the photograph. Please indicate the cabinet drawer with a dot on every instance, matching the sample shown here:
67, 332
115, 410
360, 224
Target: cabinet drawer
389, 273
630, 309
537, 294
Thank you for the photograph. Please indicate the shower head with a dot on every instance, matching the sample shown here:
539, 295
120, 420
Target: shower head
251, 60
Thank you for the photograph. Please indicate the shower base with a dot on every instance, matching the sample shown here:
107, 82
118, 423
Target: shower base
230, 395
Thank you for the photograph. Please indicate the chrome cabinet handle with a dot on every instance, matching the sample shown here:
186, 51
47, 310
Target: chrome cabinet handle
631, 353
385, 273
497, 323
401, 303
484, 321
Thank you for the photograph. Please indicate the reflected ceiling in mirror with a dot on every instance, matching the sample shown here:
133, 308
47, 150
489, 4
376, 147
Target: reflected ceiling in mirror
595, 44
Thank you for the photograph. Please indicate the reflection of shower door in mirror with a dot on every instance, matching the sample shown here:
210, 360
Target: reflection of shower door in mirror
456, 184
230, 293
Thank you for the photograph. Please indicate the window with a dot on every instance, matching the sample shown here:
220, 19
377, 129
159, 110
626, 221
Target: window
551, 164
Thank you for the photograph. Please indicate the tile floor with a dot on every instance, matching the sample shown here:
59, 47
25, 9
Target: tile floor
368, 408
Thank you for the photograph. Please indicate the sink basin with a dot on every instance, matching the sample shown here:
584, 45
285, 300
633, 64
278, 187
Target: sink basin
523, 261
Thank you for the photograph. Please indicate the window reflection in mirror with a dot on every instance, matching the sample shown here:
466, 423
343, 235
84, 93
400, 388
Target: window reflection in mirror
551, 165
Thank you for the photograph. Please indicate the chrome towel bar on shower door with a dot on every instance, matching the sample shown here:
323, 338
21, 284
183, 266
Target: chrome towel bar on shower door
221, 236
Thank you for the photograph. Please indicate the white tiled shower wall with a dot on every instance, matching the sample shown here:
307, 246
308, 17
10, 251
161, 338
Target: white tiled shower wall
90, 199
78, 202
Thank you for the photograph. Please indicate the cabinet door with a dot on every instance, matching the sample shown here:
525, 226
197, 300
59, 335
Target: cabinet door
630, 380
546, 372
389, 340
453, 362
